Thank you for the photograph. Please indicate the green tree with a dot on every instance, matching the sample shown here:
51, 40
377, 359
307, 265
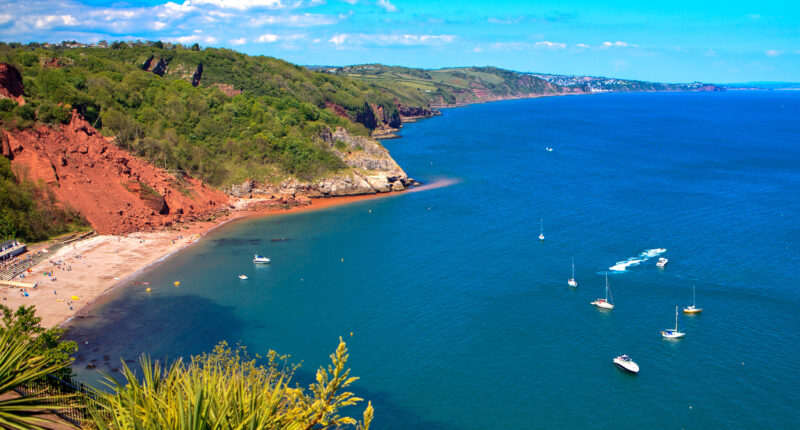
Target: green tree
47, 343
227, 389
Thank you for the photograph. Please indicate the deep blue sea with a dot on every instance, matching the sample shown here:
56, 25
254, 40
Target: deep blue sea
462, 319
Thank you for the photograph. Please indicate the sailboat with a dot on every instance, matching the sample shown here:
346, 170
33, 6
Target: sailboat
608, 302
693, 309
673, 334
541, 229
572, 282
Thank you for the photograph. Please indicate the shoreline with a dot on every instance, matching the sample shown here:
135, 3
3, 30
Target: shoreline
92, 268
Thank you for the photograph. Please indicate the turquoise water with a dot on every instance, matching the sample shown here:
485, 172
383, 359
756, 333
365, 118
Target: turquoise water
462, 319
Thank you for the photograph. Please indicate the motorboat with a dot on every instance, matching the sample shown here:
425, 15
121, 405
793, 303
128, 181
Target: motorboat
243, 277
608, 302
571, 281
673, 333
693, 309
625, 363
662, 262
258, 259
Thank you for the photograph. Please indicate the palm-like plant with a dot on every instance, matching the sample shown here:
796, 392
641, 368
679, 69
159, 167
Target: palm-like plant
227, 390
20, 365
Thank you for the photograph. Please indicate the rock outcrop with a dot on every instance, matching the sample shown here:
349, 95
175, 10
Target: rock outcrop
160, 68
198, 74
370, 170
114, 190
11, 83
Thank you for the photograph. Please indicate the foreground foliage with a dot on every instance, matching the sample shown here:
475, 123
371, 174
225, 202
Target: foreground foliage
27, 354
227, 389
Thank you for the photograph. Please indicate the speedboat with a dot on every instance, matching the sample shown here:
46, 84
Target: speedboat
673, 333
662, 262
605, 303
260, 260
243, 277
625, 363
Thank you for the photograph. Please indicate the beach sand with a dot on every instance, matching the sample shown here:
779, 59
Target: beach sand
92, 267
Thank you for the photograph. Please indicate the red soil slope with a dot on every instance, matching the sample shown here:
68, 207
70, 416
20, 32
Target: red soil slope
114, 190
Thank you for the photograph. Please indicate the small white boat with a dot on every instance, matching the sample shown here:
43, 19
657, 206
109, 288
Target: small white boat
260, 260
548, 149
673, 333
608, 302
243, 277
625, 363
693, 309
541, 229
571, 281
662, 262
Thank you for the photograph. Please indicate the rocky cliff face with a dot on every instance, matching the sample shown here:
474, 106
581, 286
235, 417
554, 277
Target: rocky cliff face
371, 170
11, 83
114, 190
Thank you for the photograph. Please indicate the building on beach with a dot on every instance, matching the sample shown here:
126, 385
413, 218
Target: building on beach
10, 249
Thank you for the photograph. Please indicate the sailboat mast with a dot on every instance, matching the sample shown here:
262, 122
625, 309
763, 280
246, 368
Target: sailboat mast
676, 318
541, 226
694, 296
573, 267
606, 286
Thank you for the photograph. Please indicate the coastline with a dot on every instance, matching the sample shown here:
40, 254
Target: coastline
92, 268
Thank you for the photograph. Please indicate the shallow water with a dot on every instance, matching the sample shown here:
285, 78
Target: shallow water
462, 319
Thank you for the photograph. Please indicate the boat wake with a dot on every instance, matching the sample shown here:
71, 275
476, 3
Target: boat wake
622, 266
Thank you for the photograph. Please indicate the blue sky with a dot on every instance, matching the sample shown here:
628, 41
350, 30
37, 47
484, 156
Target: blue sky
669, 41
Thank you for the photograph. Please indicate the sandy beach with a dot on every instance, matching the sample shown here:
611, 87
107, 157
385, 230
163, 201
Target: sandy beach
77, 275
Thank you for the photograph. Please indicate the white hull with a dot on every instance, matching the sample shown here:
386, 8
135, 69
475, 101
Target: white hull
628, 366
541, 237
572, 283
243, 277
600, 303
260, 260
672, 335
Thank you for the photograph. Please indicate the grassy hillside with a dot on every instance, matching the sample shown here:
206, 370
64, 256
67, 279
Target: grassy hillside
248, 117
421, 87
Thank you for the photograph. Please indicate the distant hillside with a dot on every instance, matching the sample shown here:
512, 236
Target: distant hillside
456, 86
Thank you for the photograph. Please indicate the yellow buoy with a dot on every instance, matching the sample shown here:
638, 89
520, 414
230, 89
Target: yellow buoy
177, 283
342, 260
75, 298
351, 334
148, 290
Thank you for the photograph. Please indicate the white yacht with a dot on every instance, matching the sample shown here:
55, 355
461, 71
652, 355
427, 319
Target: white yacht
260, 260
693, 309
662, 262
608, 302
541, 229
571, 281
242, 277
673, 333
625, 363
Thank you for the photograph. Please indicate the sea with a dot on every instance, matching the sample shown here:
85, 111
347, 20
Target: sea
457, 316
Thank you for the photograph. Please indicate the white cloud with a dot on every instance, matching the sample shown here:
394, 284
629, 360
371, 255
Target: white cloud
504, 21
338, 39
550, 45
172, 10
350, 1
387, 6
50, 21
301, 20
158, 25
4, 18
240, 4
773, 53
267, 38
618, 44
363, 39
194, 38
236, 42
583, 45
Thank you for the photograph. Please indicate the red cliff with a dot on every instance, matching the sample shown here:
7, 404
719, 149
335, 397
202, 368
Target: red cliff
114, 190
